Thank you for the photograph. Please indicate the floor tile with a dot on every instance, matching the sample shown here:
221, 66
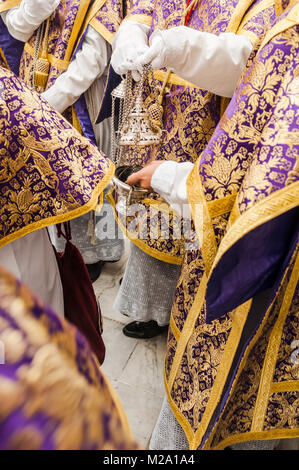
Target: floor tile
142, 410
134, 367
119, 348
148, 357
106, 288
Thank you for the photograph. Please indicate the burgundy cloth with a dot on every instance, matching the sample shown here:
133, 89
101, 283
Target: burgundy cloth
80, 304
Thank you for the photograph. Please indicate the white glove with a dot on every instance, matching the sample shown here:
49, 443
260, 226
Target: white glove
88, 64
214, 63
129, 43
23, 20
170, 181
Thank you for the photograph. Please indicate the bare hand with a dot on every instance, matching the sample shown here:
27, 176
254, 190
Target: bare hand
143, 177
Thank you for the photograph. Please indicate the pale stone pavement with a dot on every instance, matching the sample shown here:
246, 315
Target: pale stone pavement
134, 367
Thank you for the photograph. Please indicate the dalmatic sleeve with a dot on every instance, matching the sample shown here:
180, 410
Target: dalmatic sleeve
108, 18
141, 11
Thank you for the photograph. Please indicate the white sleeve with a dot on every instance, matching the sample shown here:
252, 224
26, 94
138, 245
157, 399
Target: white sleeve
18, 25
214, 63
170, 181
221, 63
23, 20
88, 64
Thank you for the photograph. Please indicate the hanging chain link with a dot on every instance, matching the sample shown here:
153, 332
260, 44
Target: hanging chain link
37, 47
126, 106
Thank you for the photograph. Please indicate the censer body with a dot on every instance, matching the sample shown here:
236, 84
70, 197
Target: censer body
136, 130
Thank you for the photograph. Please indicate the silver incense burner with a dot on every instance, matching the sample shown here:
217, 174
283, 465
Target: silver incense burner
137, 126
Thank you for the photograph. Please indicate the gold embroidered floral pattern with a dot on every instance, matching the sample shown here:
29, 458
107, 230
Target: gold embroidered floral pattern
190, 115
53, 393
48, 171
252, 155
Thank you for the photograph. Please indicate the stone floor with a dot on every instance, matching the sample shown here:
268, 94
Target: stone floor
134, 367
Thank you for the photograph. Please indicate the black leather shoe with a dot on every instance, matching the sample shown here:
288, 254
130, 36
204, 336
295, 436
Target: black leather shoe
94, 270
141, 330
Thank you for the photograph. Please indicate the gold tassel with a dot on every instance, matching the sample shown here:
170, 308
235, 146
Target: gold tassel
91, 228
41, 72
42, 66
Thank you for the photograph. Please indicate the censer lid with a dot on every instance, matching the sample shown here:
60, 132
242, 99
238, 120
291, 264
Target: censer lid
138, 129
120, 90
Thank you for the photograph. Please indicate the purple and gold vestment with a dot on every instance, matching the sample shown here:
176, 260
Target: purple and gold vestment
190, 114
53, 393
231, 369
66, 31
49, 172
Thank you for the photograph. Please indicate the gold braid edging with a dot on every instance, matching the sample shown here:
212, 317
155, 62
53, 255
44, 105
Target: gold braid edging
257, 435
139, 243
202, 218
102, 30
272, 206
91, 205
240, 317
144, 19
291, 20
9, 4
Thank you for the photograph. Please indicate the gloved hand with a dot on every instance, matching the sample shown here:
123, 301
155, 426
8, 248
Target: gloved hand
211, 62
129, 43
23, 20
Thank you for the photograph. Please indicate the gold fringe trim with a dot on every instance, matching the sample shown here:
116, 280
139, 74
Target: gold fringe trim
76, 35
167, 258
91, 205
59, 64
